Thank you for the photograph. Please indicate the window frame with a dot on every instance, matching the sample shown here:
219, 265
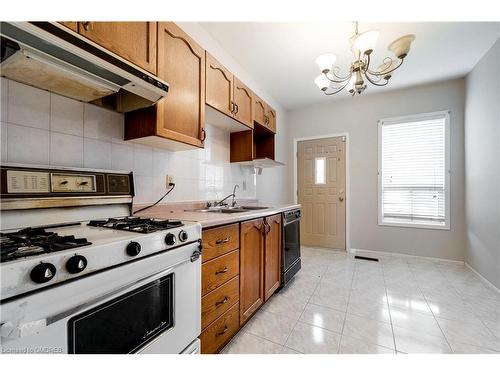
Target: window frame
447, 184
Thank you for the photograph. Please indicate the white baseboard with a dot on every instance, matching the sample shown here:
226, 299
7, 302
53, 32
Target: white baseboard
483, 279
354, 251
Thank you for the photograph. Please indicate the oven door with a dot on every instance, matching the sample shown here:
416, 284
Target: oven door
153, 302
291, 243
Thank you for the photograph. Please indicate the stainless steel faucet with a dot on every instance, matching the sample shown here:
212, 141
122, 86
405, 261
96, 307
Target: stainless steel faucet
233, 203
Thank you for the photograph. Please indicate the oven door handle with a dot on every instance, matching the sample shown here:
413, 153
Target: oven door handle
291, 221
16, 330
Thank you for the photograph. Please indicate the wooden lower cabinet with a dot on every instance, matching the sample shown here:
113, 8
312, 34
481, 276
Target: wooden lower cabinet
217, 334
237, 282
251, 268
272, 271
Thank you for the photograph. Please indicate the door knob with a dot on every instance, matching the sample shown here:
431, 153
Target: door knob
341, 199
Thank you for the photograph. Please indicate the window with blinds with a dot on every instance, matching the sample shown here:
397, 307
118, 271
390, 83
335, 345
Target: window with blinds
413, 171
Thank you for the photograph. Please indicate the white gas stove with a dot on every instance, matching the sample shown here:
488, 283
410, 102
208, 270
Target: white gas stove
97, 285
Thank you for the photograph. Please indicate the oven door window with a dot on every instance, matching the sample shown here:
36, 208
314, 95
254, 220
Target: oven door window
126, 323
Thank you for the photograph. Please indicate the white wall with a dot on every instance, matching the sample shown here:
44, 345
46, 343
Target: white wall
482, 162
41, 128
359, 116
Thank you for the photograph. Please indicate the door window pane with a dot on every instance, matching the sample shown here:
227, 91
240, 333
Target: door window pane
320, 170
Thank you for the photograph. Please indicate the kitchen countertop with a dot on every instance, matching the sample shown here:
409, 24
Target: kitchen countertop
213, 219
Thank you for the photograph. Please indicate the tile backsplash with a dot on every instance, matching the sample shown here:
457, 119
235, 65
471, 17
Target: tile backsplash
38, 127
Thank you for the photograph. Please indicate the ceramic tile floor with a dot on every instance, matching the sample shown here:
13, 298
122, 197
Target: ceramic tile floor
337, 304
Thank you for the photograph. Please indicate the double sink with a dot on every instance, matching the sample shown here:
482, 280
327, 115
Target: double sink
230, 210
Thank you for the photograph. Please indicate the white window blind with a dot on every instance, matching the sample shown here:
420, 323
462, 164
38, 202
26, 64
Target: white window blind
413, 171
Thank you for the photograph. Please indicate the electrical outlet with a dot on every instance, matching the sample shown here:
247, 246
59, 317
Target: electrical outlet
169, 179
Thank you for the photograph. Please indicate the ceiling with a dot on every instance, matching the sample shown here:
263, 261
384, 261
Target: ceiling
280, 56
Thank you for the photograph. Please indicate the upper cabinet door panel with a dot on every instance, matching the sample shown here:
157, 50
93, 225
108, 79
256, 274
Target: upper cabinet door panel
134, 41
243, 99
219, 91
259, 110
181, 62
271, 119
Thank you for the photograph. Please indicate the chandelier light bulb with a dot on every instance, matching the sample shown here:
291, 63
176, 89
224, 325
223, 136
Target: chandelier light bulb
365, 42
401, 46
322, 82
325, 62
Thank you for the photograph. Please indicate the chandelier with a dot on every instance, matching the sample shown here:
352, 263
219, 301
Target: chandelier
331, 82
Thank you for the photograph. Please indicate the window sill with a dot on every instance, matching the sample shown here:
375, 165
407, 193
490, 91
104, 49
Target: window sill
414, 225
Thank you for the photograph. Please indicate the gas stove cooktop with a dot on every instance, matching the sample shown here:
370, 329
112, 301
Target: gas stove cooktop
136, 224
34, 241
29, 242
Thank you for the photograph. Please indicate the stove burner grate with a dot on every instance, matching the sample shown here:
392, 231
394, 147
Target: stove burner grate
34, 241
136, 224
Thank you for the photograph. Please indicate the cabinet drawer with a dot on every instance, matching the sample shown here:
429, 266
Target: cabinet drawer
217, 334
217, 302
216, 272
219, 241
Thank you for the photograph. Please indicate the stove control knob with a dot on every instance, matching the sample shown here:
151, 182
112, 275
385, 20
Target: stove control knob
133, 248
43, 272
76, 264
183, 236
170, 239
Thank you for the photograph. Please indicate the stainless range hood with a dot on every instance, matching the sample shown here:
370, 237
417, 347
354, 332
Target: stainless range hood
52, 57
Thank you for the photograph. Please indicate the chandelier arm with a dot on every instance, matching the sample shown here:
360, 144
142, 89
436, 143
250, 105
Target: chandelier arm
339, 90
367, 63
375, 82
335, 81
342, 79
387, 71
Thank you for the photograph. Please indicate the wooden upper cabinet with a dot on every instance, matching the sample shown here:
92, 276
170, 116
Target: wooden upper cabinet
181, 62
272, 271
259, 110
73, 25
219, 86
179, 117
134, 41
271, 122
251, 268
243, 100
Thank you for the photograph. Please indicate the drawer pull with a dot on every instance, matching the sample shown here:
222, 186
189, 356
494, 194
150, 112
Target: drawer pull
223, 331
218, 303
224, 240
221, 271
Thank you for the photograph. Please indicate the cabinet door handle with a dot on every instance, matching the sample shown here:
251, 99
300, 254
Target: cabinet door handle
86, 25
221, 271
237, 108
232, 107
221, 241
223, 331
218, 303
203, 135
